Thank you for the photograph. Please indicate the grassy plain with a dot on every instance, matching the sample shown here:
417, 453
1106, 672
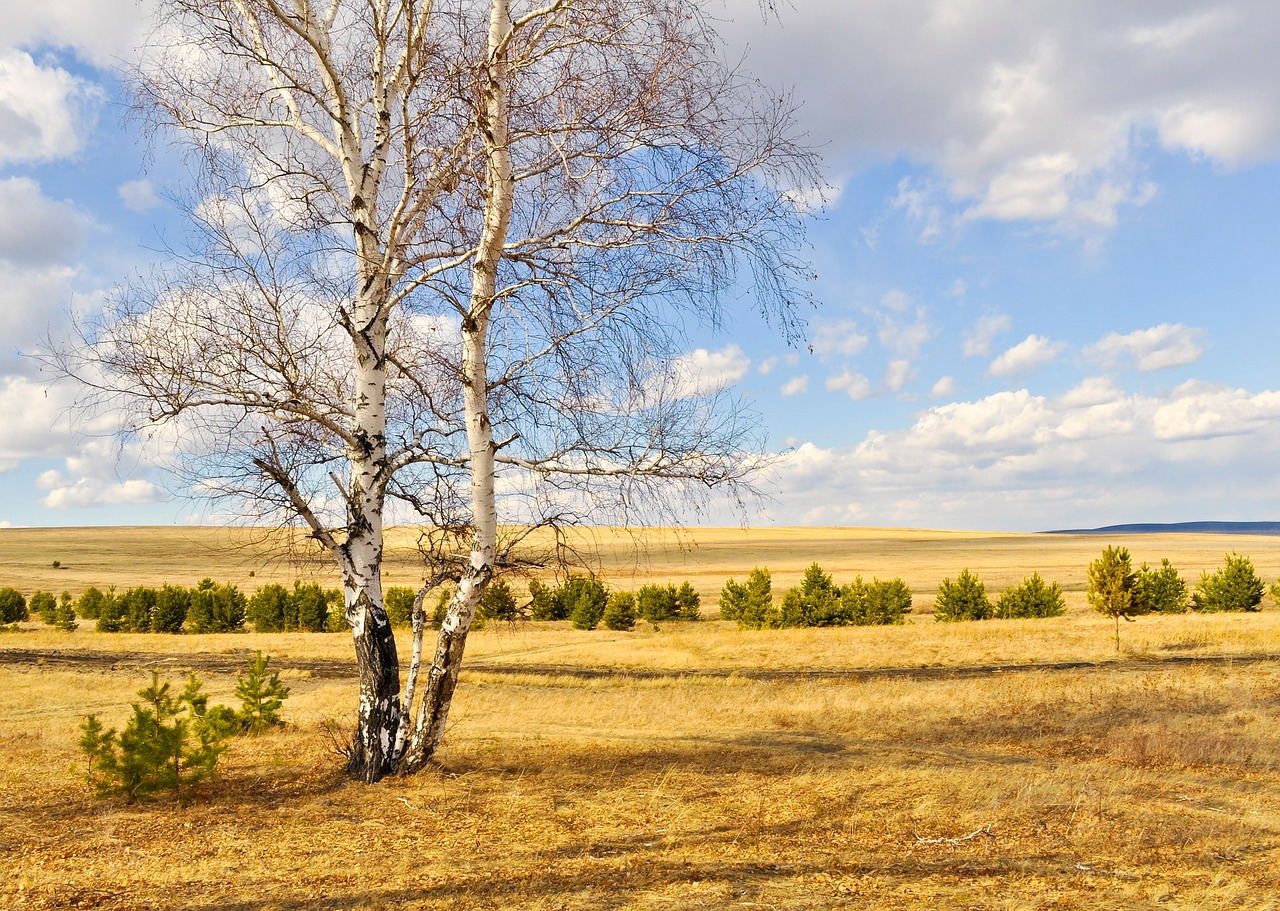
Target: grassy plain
1006, 764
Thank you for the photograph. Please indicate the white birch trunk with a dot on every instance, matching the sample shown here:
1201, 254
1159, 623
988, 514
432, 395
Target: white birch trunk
443, 675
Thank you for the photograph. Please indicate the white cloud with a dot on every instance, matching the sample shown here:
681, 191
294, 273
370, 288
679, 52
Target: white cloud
44, 111
854, 385
898, 374
945, 387
843, 338
797, 385
34, 229
701, 372
102, 31
139, 196
1030, 354
1017, 461
1158, 348
64, 493
34, 421
977, 341
1037, 111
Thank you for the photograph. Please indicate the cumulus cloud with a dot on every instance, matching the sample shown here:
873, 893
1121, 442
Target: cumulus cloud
977, 341
943, 388
842, 338
1030, 354
67, 493
44, 110
898, 374
1031, 112
701, 371
102, 31
1158, 348
797, 385
139, 196
854, 385
34, 229
1018, 461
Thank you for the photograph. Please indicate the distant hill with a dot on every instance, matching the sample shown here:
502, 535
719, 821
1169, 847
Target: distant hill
1165, 528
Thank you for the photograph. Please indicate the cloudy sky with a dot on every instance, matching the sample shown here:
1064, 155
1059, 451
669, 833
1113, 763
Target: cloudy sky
1048, 263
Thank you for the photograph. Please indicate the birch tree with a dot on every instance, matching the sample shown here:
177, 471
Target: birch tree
443, 259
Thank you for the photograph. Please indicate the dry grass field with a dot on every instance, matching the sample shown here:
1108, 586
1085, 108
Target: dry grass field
997, 765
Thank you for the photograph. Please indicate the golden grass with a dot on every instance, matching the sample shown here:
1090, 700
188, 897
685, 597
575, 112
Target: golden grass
1006, 765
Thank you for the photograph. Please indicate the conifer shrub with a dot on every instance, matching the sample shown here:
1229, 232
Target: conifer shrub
584, 600
170, 610
543, 603
814, 602
499, 602
111, 616
881, 602
262, 695
64, 616
1234, 587
268, 609
657, 603
13, 606
308, 608
398, 601
964, 599
1161, 590
44, 606
1033, 598
620, 612
750, 603
89, 605
136, 606
1112, 584
165, 746
216, 608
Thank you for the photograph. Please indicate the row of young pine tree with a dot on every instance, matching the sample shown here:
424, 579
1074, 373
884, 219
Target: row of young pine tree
1116, 589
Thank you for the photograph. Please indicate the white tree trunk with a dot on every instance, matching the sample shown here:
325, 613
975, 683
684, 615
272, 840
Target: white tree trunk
443, 676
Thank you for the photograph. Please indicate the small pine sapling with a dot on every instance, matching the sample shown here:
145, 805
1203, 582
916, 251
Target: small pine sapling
964, 599
1033, 598
64, 617
1111, 587
262, 695
1234, 587
620, 612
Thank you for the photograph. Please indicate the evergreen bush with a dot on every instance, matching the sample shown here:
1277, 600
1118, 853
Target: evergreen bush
816, 601
964, 599
308, 608
268, 609
499, 602
44, 606
1033, 598
1111, 587
13, 606
64, 617
543, 604
89, 605
165, 746
398, 601
111, 616
261, 696
136, 606
878, 603
620, 612
750, 603
170, 610
1234, 587
216, 608
1161, 590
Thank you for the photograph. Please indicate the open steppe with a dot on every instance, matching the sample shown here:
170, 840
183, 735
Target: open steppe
1004, 764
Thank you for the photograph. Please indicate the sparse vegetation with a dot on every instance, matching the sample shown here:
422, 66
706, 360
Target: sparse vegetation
1111, 588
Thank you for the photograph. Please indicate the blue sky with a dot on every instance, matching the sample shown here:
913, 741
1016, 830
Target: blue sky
1047, 266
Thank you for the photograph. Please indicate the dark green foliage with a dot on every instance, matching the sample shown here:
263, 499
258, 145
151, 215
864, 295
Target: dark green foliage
543, 604
964, 599
89, 605
1161, 590
814, 602
308, 608
878, 603
657, 603
620, 612
111, 618
1234, 587
216, 608
398, 601
170, 611
13, 606
261, 696
268, 609
585, 599
750, 603
136, 606
43, 605
165, 746
64, 616
499, 602
1034, 598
